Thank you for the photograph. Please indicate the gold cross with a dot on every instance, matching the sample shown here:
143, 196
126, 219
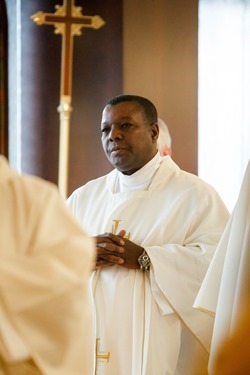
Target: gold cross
100, 355
68, 21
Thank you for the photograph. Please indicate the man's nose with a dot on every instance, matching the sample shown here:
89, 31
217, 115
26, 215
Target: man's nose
114, 133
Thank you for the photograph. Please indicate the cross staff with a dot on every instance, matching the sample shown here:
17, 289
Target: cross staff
68, 21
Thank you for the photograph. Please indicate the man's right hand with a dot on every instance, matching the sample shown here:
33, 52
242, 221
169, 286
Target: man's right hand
109, 246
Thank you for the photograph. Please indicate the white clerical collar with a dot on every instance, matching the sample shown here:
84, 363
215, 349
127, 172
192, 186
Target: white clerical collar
141, 179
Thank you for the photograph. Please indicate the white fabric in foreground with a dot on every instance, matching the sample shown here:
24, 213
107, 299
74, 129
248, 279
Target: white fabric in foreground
45, 261
227, 281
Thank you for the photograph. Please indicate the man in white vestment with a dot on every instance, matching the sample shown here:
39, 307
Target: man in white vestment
46, 257
225, 291
156, 229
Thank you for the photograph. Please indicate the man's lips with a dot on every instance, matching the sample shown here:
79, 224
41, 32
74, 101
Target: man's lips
117, 150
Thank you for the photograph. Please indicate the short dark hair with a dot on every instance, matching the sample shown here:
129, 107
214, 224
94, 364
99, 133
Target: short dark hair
147, 107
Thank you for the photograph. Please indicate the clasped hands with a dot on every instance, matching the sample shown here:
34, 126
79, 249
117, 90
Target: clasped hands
115, 249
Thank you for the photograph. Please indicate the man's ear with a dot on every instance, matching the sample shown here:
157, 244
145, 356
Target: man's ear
154, 131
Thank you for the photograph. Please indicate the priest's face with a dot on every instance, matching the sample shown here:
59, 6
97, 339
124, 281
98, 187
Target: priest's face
128, 140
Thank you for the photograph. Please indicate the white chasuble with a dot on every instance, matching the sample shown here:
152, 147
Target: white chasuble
178, 219
45, 260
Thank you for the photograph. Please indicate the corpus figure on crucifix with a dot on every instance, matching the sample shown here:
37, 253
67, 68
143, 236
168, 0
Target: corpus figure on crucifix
68, 21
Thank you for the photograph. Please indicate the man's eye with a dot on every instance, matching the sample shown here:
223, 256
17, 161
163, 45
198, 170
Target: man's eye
105, 130
126, 125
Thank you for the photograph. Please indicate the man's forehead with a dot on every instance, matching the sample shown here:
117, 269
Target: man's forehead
122, 111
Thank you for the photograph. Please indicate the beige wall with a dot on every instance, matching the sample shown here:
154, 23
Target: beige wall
160, 63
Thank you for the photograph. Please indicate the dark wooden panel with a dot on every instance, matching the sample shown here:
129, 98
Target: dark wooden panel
97, 75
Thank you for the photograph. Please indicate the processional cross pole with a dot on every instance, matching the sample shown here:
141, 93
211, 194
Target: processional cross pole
68, 20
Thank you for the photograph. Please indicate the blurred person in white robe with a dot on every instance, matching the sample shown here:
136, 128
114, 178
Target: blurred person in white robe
225, 291
164, 140
156, 228
45, 261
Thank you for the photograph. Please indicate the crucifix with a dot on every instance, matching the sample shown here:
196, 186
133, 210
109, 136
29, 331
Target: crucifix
68, 20
100, 355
